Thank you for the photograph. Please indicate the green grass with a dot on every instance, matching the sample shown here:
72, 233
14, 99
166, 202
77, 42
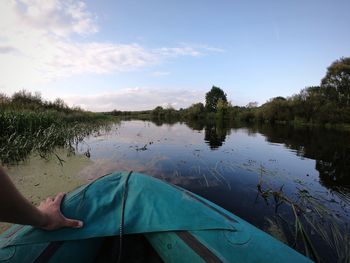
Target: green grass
25, 131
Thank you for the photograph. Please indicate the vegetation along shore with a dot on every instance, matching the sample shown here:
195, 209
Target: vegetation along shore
325, 105
30, 124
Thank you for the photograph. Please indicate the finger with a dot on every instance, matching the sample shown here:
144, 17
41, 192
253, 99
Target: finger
59, 197
73, 223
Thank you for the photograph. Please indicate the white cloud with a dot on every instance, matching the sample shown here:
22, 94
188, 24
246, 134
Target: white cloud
137, 99
180, 51
56, 17
38, 44
203, 48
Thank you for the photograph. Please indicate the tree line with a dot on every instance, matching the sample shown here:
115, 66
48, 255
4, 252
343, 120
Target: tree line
26, 100
328, 103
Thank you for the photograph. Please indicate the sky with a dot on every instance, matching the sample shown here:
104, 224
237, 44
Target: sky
135, 55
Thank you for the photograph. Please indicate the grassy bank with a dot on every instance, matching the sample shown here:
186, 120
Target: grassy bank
29, 124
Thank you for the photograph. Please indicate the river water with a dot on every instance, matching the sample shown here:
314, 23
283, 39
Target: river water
259, 173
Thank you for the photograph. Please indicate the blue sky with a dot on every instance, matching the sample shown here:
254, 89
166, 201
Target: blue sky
133, 54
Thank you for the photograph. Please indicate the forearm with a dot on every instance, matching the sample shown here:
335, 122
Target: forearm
14, 207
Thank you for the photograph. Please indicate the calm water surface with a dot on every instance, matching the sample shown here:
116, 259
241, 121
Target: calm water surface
307, 167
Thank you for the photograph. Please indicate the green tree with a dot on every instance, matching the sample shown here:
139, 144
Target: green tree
307, 104
336, 83
158, 112
222, 108
276, 109
195, 111
212, 98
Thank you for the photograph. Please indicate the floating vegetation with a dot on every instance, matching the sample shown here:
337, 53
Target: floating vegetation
276, 230
311, 220
39, 178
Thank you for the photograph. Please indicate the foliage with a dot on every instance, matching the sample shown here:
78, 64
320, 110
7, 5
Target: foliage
29, 124
167, 114
327, 104
195, 111
212, 98
336, 83
277, 109
222, 108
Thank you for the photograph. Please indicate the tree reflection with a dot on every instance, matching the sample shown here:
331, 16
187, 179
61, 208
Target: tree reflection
330, 149
215, 134
197, 125
159, 121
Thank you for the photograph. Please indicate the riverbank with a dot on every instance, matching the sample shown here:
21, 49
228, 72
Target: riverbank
28, 124
174, 116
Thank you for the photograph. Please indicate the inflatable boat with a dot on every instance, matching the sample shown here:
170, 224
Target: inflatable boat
132, 217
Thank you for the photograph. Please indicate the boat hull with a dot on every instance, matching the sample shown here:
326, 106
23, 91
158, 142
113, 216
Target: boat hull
180, 226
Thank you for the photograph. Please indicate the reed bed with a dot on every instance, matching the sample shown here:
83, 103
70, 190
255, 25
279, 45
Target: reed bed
23, 132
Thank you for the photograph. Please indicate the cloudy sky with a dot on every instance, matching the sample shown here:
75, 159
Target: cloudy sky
131, 55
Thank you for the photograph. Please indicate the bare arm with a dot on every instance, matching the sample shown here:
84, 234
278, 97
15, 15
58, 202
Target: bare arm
14, 208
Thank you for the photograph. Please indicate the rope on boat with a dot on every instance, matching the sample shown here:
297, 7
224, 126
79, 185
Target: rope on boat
121, 226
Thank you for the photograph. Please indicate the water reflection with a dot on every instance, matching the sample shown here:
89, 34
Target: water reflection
227, 163
329, 148
215, 132
215, 135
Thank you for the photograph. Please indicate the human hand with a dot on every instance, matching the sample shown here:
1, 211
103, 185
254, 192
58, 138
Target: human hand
52, 215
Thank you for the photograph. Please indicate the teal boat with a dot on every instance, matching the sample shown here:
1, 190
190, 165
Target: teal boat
132, 217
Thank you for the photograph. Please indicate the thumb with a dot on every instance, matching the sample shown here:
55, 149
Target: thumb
58, 198
73, 223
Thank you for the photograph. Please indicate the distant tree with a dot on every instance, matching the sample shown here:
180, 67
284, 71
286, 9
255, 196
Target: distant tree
158, 112
212, 98
59, 103
77, 108
279, 98
276, 109
27, 99
221, 108
24, 96
336, 83
116, 112
158, 108
4, 98
195, 111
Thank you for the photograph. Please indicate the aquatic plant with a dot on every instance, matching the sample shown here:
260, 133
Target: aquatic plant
25, 131
310, 216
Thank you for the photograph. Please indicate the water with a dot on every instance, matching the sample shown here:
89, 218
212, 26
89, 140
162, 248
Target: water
257, 173
308, 167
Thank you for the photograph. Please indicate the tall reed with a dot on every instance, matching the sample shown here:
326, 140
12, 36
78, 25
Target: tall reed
25, 131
